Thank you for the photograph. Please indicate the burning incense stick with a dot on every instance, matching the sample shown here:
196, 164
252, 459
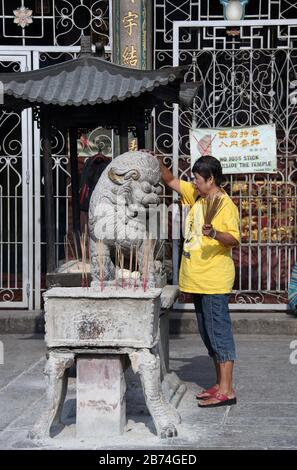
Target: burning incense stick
83, 258
136, 266
76, 250
159, 250
122, 268
72, 252
154, 246
82, 267
89, 250
130, 265
149, 250
144, 256
117, 266
66, 250
102, 265
146, 263
86, 251
85, 241
100, 252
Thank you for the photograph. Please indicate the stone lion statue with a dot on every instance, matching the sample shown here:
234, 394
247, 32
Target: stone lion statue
127, 190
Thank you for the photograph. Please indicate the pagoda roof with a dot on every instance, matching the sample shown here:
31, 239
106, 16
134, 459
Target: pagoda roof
88, 80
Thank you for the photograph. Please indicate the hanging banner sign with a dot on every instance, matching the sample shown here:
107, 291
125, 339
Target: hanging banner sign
239, 149
130, 33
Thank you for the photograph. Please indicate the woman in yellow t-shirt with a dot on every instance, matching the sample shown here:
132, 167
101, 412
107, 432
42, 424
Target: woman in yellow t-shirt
207, 270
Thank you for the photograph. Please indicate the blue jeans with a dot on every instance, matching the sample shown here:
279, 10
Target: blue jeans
215, 326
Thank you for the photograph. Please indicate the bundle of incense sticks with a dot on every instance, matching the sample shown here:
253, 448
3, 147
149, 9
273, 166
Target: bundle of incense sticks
100, 252
211, 206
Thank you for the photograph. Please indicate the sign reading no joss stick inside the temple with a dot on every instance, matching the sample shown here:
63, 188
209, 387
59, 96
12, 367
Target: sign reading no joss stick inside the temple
239, 149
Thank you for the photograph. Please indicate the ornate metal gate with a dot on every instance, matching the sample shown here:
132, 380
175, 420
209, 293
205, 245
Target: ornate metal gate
247, 80
35, 34
16, 227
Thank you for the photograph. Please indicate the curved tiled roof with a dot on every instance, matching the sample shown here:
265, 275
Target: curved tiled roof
88, 80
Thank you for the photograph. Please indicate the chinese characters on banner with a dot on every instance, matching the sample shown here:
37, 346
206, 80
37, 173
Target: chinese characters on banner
239, 149
130, 39
130, 33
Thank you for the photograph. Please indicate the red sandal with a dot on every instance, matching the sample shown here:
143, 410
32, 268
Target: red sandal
208, 393
223, 400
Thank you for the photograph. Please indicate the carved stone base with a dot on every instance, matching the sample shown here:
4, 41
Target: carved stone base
164, 415
99, 329
56, 373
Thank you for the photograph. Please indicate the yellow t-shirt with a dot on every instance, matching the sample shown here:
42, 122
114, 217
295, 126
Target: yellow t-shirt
207, 266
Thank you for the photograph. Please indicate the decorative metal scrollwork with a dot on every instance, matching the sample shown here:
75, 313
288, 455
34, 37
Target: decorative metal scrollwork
6, 295
54, 22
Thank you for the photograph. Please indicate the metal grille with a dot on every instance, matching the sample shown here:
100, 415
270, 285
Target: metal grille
51, 33
268, 206
22, 241
15, 201
54, 22
242, 87
169, 11
246, 81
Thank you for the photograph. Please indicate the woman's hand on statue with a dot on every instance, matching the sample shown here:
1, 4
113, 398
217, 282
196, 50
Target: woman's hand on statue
151, 152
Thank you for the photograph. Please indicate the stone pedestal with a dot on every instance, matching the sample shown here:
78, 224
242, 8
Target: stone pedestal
100, 391
81, 317
98, 329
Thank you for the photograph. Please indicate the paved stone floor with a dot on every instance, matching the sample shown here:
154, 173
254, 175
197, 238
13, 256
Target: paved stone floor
264, 418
